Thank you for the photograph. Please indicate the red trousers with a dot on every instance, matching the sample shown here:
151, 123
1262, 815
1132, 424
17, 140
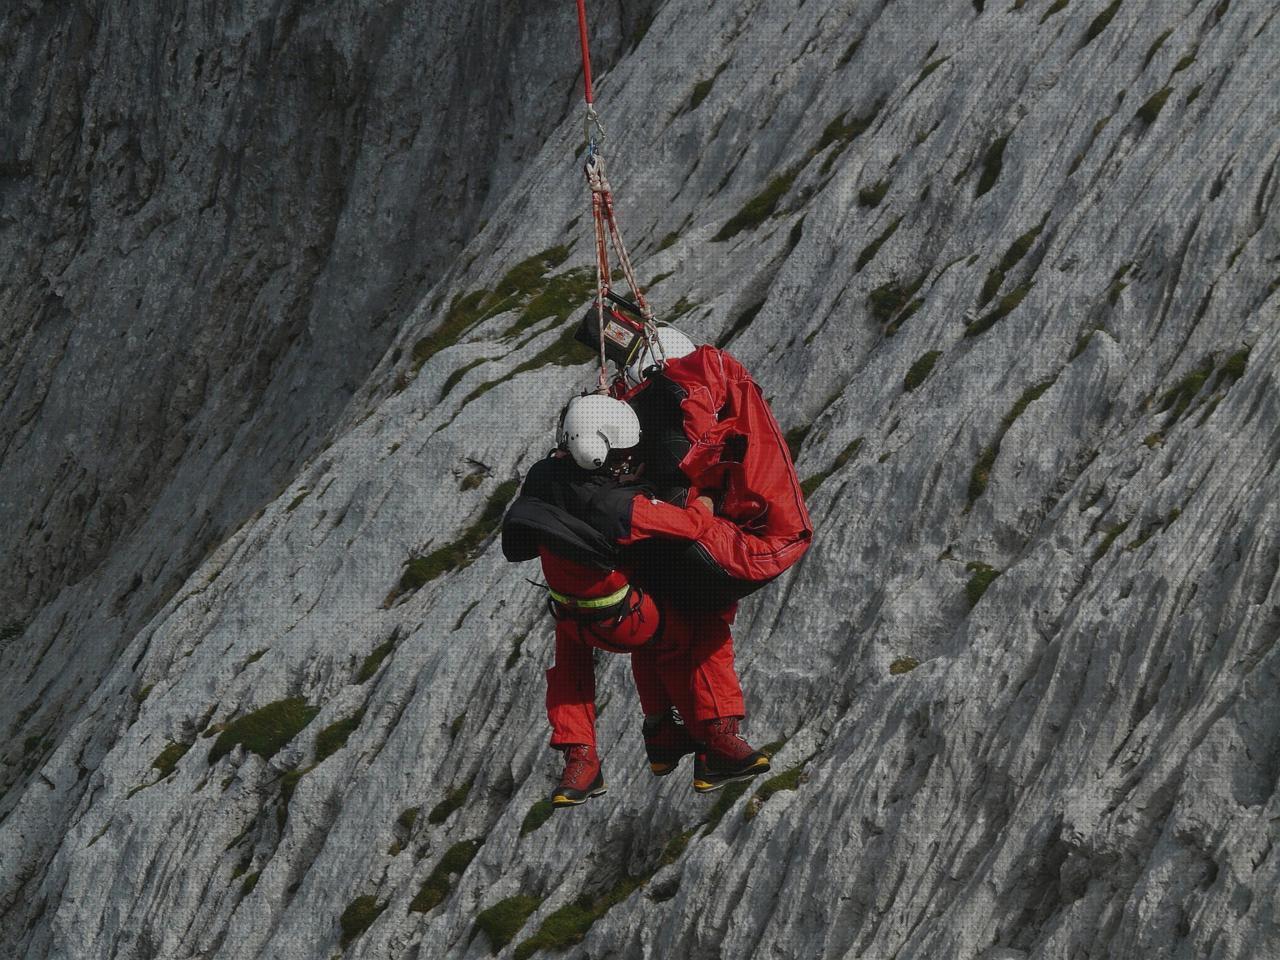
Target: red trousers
686, 661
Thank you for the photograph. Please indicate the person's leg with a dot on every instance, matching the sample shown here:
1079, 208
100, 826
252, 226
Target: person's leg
716, 704
571, 690
571, 708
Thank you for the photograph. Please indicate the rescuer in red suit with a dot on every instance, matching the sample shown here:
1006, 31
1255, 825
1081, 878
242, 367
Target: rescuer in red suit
575, 508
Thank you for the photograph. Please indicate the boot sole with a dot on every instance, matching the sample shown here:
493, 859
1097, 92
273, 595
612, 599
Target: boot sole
709, 786
663, 769
560, 800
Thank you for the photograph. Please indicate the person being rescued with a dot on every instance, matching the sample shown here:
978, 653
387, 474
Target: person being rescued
600, 532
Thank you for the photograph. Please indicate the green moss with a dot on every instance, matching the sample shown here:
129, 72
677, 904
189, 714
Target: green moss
903, 665
455, 726
456, 377
928, 70
501, 922
658, 279
440, 882
334, 737
12, 630
297, 501
1004, 306
559, 297
795, 438
811, 484
741, 323
528, 273
465, 312
1193, 94
849, 53
1178, 400
787, 780
255, 656
514, 656
981, 473
872, 195
168, 759
569, 924
145, 692
702, 89
870, 250
1233, 368
266, 730
1148, 112
668, 241
759, 208
992, 165
538, 814
796, 233
1100, 23
563, 352
250, 882
726, 797
1155, 47
1183, 63
408, 817
374, 660
839, 133
1057, 7
1097, 129
983, 577
1113, 532
920, 370
454, 799
460, 554
359, 917
1081, 344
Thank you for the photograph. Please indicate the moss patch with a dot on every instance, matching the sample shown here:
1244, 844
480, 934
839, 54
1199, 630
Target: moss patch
564, 351
920, 370
759, 208
839, 133
928, 70
168, 759
870, 250
334, 737
992, 165
1155, 47
454, 799
983, 576
501, 922
1057, 7
787, 780
808, 486
903, 665
538, 814
359, 917
456, 377
1178, 400
266, 730
1100, 23
460, 554
374, 660
569, 924
1004, 306
1148, 112
557, 297
741, 323
703, 88
872, 196
440, 882
1012, 257
514, 656
249, 883
1113, 532
981, 473
297, 501
408, 817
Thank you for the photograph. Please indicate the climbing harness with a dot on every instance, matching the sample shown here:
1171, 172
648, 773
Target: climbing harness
607, 233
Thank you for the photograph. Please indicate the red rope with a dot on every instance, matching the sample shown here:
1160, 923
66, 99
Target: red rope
586, 53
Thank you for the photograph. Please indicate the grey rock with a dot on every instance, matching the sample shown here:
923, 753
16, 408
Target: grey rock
1083, 761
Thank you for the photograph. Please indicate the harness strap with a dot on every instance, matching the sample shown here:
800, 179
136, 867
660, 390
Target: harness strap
590, 603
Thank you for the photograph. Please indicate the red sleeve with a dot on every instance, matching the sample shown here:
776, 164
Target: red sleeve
656, 519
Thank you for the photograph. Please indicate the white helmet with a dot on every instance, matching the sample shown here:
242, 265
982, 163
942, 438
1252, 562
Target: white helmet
594, 425
672, 344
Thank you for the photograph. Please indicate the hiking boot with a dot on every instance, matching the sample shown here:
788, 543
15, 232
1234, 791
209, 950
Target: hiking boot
583, 777
724, 756
666, 740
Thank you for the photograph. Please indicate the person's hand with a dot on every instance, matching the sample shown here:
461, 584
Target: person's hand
707, 502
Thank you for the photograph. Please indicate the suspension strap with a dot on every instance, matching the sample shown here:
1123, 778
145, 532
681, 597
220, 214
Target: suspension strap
602, 213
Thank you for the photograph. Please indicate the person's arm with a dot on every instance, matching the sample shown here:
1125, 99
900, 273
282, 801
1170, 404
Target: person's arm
656, 519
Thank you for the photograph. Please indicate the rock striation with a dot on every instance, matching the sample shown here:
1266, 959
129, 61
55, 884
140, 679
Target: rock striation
1008, 273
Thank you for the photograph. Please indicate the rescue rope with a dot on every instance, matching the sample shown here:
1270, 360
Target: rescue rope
604, 218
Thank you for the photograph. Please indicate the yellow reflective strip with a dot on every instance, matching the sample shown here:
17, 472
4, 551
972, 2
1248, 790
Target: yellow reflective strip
592, 603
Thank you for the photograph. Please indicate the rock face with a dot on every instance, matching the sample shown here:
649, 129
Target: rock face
1007, 271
